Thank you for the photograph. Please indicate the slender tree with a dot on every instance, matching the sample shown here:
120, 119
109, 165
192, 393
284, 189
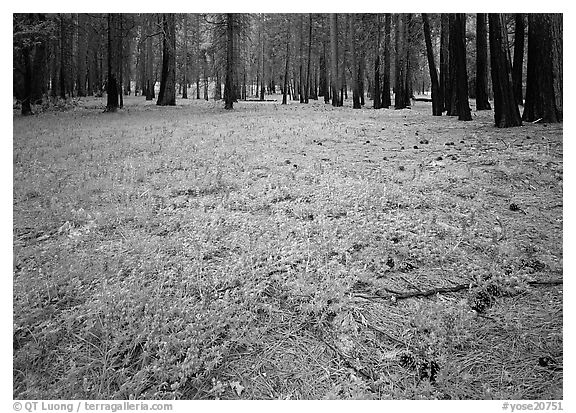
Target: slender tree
334, 74
436, 103
309, 60
354, 62
506, 112
544, 73
185, 58
481, 64
286, 70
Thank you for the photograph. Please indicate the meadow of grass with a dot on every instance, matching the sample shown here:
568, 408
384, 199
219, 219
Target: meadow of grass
285, 252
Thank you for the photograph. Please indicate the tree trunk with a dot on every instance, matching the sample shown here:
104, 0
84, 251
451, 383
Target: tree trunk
481, 64
301, 57
307, 88
39, 63
518, 57
458, 65
544, 74
376, 94
354, 62
361, 64
445, 85
262, 37
111, 85
26, 107
205, 75
326, 75
386, 101
322, 64
185, 58
334, 75
167, 93
285, 88
81, 55
436, 103
401, 66
62, 38
149, 61
343, 84
408, 36
120, 43
506, 112
228, 83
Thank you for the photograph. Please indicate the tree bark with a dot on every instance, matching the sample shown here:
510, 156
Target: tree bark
26, 107
445, 89
481, 64
354, 62
63, 45
307, 88
519, 29
229, 97
342, 74
436, 103
401, 66
149, 61
285, 89
544, 74
185, 58
39, 63
334, 75
458, 64
506, 112
167, 93
81, 55
111, 83
386, 101
377, 98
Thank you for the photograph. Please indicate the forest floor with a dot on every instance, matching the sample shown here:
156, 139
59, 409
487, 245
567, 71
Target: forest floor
285, 252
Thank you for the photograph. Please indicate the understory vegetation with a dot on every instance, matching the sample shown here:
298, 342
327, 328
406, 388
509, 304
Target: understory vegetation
285, 252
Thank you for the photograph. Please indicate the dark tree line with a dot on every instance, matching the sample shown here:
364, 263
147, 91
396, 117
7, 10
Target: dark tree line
302, 56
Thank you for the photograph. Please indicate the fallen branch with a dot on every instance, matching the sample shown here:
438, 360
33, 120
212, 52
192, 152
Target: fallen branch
346, 360
441, 290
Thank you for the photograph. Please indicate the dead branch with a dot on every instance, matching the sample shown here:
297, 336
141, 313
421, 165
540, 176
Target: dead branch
442, 290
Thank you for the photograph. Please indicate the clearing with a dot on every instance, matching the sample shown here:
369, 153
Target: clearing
298, 251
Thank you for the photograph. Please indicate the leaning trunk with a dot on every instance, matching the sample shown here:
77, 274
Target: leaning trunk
436, 103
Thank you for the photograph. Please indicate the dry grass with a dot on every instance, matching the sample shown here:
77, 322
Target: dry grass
191, 252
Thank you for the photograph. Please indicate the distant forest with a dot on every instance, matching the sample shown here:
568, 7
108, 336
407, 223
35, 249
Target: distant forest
511, 59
